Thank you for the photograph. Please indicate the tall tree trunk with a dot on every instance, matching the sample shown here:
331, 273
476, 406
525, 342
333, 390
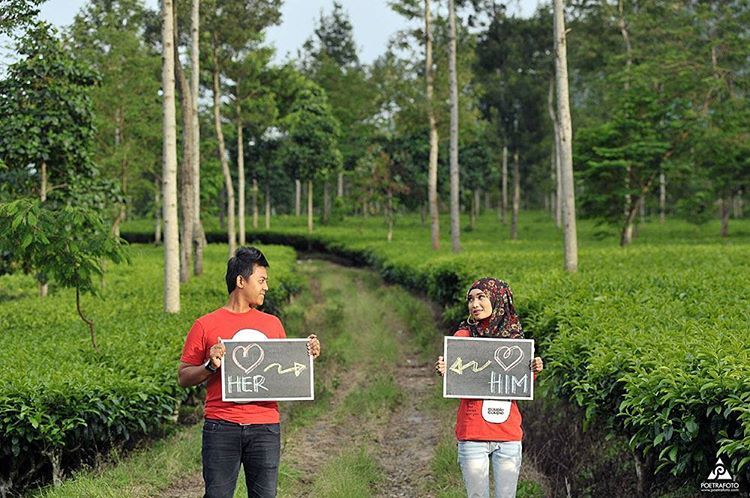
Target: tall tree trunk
240, 177
570, 236
487, 205
504, 187
473, 211
121, 211
199, 236
255, 203
268, 205
622, 24
231, 228
340, 185
553, 182
389, 214
662, 197
326, 202
297, 197
454, 170
556, 153
626, 233
169, 167
41, 278
516, 195
309, 206
185, 178
123, 168
157, 208
478, 201
222, 206
432, 170
559, 190
725, 203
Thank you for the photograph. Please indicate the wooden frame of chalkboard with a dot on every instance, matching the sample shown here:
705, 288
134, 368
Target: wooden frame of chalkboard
472, 363
267, 370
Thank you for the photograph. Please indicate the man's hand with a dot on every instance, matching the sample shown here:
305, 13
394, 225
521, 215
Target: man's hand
192, 375
313, 345
217, 353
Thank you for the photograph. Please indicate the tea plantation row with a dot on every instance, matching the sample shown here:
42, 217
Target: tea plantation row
650, 341
61, 403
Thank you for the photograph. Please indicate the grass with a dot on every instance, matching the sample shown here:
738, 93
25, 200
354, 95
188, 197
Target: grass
351, 474
73, 404
336, 312
136, 474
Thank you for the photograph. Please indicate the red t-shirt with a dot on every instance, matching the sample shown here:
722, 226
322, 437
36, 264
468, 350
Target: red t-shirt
251, 326
487, 420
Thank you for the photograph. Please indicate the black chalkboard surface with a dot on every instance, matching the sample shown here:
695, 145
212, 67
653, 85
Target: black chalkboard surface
487, 368
273, 370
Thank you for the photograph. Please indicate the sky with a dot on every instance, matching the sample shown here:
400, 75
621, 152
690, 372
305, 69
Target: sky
372, 20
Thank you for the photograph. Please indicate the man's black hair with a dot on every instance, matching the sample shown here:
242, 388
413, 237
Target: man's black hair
243, 263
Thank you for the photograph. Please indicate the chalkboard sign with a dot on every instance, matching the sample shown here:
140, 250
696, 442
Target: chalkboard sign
272, 370
487, 368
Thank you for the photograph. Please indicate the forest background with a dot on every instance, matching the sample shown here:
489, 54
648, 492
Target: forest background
187, 127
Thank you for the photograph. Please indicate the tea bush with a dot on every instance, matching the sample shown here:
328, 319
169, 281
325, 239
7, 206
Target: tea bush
649, 340
61, 402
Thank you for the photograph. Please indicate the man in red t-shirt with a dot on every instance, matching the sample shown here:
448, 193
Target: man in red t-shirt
236, 433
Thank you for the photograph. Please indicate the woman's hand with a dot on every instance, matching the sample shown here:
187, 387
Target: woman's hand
537, 365
440, 366
313, 345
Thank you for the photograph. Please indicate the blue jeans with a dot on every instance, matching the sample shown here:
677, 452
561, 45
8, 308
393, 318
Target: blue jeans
474, 458
226, 445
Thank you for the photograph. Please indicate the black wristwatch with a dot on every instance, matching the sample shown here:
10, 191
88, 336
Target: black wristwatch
210, 366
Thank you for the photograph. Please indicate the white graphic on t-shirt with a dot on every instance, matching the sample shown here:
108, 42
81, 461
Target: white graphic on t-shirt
249, 335
495, 411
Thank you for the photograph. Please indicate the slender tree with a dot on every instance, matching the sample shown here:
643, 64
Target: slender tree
566, 151
454, 168
186, 167
199, 237
432, 167
221, 148
169, 166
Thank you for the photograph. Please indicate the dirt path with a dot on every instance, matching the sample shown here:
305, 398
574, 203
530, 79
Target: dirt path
403, 441
355, 314
408, 442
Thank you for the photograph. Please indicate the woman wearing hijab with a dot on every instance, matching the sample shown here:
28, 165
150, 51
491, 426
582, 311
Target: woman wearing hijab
489, 430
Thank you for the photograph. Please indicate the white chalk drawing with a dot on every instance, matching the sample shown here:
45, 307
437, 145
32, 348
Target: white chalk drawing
245, 361
298, 368
459, 366
508, 357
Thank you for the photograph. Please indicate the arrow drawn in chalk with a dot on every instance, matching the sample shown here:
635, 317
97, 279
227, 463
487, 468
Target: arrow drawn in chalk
459, 366
297, 368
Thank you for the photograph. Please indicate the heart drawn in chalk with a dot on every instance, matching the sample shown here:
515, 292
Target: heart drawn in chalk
508, 357
248, 359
